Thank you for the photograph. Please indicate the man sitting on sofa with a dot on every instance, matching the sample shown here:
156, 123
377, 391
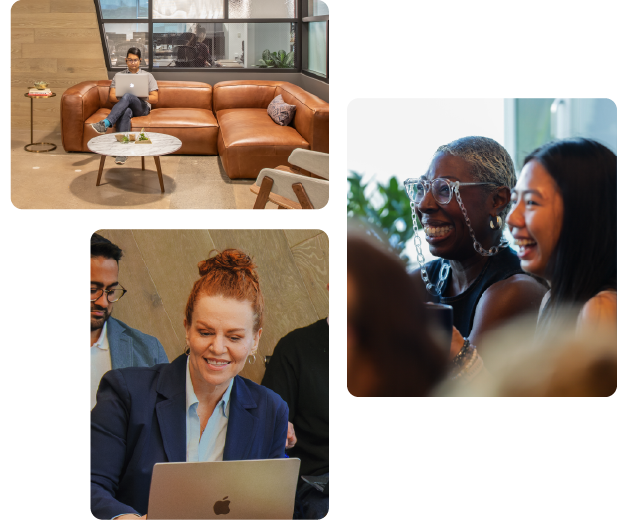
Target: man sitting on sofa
128, 105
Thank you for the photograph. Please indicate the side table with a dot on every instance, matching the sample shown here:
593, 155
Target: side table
53, 146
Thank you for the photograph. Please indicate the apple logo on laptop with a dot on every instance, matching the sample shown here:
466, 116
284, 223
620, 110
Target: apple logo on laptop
131, 85
221, 507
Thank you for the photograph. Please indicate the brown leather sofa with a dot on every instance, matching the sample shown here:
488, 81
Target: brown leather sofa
184, 110
230, 119
249, 140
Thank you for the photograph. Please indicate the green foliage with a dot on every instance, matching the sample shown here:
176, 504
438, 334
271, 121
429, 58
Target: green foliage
389, 219
276, 60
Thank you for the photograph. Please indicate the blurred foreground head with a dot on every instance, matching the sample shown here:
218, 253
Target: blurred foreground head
561, 363
390, 351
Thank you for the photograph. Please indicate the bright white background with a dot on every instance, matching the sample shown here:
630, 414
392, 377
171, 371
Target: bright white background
419, 127
404, 145
522, 459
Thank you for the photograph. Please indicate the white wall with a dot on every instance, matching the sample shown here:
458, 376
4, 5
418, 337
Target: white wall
233, 43
274, 37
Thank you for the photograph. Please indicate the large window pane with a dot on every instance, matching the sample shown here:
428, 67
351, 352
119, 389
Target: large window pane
317, 45
124, 8
188, 9
538, 121
223, 45
120, 37
317, 8
262, 8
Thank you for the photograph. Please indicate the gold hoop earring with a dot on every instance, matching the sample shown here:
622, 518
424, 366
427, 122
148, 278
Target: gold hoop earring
254, 359
499, 221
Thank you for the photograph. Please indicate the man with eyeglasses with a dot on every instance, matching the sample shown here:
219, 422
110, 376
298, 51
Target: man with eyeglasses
128, 106
113, 343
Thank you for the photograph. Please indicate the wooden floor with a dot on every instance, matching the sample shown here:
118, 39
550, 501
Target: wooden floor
61, 180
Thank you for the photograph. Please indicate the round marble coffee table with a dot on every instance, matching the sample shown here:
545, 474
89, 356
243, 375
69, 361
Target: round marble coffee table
161, 144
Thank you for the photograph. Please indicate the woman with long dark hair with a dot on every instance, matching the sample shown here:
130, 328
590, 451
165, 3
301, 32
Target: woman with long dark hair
563, 221
564, 225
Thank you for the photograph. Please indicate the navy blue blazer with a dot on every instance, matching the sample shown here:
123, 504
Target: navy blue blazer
140, 419
131, 348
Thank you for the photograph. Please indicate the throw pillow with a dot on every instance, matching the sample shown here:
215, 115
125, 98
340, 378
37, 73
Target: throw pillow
281, 112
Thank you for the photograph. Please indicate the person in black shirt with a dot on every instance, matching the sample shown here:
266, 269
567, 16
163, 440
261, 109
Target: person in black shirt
299, 372
462, 202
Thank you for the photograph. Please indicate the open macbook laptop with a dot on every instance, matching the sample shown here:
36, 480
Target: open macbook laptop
136, 84
242, 489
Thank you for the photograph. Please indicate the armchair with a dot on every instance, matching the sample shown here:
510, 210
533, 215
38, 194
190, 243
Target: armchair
305, 182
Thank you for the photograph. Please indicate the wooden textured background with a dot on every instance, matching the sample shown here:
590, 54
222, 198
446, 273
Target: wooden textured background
159, 268
57, 41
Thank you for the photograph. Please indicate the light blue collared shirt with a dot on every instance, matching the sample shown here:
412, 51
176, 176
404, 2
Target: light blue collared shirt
210, 446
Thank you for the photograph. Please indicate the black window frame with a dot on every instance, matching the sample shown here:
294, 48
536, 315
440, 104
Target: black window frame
299, 28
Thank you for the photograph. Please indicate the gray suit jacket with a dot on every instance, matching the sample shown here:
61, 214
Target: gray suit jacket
131, 348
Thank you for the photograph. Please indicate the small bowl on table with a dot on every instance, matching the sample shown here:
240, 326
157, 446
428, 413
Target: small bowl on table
41, 85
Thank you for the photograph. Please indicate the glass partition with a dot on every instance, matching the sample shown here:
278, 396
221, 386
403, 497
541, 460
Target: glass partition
318, 47
188, 9
120, 37
216, 34
224, 45
124, 9
262, 8
317, 8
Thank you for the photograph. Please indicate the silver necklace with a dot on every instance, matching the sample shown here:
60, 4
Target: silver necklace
436, 290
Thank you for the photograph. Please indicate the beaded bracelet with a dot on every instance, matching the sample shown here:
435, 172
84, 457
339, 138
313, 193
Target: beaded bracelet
468, 363
464, 351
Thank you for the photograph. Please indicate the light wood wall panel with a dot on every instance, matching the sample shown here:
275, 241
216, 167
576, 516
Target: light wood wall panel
142, 304
312, 259
31, 7
160, 267
72, 6
295, 236
57, 41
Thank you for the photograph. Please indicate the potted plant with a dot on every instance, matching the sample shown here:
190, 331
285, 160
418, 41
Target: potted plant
143, 138
277, 60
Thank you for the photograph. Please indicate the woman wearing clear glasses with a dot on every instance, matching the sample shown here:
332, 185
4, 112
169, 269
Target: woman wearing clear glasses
462, 202
564, 225
128, 106
196, 408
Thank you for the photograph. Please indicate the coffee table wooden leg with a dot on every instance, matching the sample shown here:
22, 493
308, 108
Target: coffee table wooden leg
157, 160
143, 162
102, 158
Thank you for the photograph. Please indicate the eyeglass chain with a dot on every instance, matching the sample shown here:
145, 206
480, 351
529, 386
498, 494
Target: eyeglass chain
444, 270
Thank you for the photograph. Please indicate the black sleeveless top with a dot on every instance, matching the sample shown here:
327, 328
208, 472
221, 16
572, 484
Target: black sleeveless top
499, 267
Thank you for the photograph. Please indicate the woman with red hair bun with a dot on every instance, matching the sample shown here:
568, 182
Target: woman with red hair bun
196, 408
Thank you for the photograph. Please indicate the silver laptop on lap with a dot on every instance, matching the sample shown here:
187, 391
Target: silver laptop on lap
243, 489
136, 84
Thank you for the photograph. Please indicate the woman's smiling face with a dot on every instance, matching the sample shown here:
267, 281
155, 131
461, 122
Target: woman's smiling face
220, 339
535, 221
444, 224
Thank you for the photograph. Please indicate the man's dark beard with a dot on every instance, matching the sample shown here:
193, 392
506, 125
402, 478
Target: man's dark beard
98, 324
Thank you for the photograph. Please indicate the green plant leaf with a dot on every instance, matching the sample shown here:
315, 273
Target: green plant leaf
389, 221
